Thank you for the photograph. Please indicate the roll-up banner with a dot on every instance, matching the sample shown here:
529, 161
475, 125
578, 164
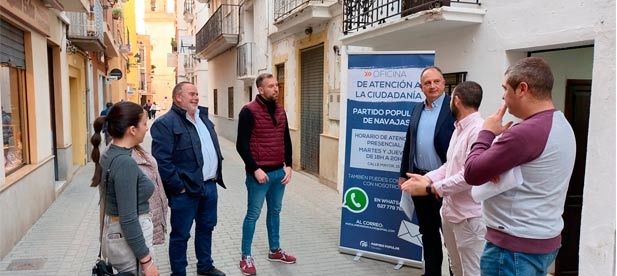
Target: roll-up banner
380, 89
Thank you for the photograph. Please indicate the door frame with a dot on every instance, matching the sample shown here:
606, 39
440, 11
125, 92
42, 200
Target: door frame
569, 253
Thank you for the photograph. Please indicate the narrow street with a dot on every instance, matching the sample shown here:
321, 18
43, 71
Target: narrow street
64, 240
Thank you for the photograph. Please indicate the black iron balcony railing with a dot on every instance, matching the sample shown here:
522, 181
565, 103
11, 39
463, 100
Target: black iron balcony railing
245, 60
224, 21
86, 26
283, 8
361, 14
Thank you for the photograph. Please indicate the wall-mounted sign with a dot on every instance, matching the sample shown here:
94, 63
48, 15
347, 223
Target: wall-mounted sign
116, 73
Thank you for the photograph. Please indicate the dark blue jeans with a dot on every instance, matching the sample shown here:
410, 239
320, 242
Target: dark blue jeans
500, 261
184, 210
272, 192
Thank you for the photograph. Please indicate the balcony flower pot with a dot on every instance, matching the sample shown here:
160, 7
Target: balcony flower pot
116, 13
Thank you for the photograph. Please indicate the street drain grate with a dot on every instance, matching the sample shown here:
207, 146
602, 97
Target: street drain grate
26, 264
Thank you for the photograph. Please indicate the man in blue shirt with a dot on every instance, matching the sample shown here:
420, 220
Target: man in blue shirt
426, 145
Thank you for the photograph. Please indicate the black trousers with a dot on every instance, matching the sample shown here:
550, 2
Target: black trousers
429, 221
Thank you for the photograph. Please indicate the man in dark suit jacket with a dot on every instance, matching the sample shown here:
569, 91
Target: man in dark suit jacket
426, 145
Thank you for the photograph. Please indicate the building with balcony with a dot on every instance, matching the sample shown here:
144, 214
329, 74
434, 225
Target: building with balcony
188, 65
159, 23
46, 99
302, 34
60, 62
120, 21
56, 62
216, 42
187, 62
292, 40
130, 48
477, 40
144, 65
306, 45
86, 29
99, 45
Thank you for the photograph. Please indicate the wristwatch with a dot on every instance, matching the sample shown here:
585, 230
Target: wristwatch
429, 189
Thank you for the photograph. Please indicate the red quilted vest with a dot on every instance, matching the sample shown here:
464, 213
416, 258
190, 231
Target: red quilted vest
267, 144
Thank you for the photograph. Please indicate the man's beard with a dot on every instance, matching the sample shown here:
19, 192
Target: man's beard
271, 98
454, 110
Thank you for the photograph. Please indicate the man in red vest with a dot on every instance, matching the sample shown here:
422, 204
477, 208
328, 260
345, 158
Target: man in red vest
264, 144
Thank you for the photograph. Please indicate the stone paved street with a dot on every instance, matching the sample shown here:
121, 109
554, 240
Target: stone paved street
64, 241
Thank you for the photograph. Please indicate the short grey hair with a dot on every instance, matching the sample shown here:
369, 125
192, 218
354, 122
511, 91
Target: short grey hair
178, 89
261, 77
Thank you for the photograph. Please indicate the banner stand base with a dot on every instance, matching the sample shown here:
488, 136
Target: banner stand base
400, 262
398, 266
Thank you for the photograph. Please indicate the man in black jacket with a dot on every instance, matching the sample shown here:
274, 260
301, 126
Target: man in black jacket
428, 137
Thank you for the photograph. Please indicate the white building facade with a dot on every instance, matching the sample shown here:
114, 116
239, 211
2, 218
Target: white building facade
191, 14
293, 41
478, 40
305, 45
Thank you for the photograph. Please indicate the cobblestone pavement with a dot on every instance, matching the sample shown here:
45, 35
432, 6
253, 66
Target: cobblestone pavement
64, 240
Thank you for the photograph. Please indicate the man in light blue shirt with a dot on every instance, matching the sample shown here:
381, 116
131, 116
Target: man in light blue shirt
426, 145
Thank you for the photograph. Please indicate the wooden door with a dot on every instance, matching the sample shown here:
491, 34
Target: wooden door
280, 78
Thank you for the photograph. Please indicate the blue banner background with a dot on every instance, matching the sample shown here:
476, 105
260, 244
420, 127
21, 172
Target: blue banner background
371, 219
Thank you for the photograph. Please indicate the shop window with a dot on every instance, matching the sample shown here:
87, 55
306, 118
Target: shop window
12, 93
453, 79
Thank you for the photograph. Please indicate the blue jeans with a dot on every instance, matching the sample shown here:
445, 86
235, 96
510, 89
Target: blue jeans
271, 191
184, 209
497, 261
